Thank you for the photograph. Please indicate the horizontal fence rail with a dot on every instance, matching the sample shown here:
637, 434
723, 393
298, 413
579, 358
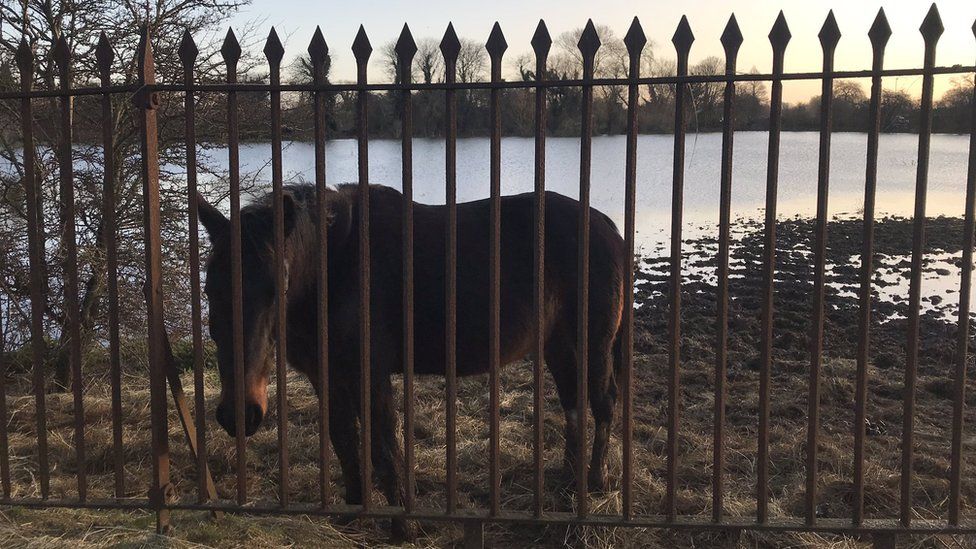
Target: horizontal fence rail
370, 447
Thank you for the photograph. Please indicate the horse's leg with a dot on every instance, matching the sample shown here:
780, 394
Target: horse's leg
603, 400
343, 416
387, 455
561, 360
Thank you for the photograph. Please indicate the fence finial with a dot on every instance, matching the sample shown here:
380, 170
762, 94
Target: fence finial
589, 41
780, 34
188, 50
104, 55
541, 41
24, 57
731, 38
405, 49
932, 28
635, 39
450, 45
880, 30
496, 44
829, 33
683, 38
147, 64
62, 53
231, 49
361, 48
273, 50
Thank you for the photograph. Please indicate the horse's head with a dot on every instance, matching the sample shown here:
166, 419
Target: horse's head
259, 291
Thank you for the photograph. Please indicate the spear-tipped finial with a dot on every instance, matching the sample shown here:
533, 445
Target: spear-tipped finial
589, 41
450, 44
318, 50
188, 50
829, 33
231, 49
104, 55
880, 30
361, 48
496, 44
273, 50
62, 53
541, 40
932, 28
24, 56
635, 39
780, 34
406, 47
731, 38
147, 65
683, 37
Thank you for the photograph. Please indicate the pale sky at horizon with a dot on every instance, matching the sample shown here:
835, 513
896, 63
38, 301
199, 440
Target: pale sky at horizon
296, 20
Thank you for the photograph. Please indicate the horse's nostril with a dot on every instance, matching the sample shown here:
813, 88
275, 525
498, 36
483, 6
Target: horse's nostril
253, 415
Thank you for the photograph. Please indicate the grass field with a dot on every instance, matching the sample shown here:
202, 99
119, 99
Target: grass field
84, 528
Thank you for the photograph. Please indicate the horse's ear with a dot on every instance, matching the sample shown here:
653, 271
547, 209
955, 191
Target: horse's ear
214, 221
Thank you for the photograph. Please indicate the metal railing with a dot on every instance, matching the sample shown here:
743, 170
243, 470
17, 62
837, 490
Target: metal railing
146, 96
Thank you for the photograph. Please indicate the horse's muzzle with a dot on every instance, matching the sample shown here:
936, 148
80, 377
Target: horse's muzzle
253, 415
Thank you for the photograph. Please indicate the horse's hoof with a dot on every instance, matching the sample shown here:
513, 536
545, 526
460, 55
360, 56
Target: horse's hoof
597, 481
402, 531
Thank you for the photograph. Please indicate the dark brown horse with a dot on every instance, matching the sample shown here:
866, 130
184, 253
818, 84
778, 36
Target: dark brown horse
607, 263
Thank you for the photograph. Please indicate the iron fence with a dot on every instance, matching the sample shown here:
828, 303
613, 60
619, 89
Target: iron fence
146, 93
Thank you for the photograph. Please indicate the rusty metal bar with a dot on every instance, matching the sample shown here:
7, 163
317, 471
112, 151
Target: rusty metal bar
362, 49
4, 440
496, 46
104, 56
62, 56
731, 41
962, 330
829, 36
405, 50
450, 48
188, 52
931, 30
274, 51
779, 37
36, 247
682, 40
147, 102
318, 52
879, 34
541, 43
231, 51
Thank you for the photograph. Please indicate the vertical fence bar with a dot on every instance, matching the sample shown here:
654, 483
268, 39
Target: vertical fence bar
36, 247
588, 45
147, 102
318, 52
231, 51
541, 43
274, 51
829, 36
450, 48
731, 41
405, 50
682, 40
188, 53
496, 47
362, 49
879, 34
962, 330
931, 30
4, 440
62, 56
779, 37
104, 56
635, 40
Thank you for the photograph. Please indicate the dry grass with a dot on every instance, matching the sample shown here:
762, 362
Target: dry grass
85, 528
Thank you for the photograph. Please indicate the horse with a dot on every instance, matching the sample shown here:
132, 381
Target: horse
608, 261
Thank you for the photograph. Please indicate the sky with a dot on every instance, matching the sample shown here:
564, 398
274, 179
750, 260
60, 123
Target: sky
296, 20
